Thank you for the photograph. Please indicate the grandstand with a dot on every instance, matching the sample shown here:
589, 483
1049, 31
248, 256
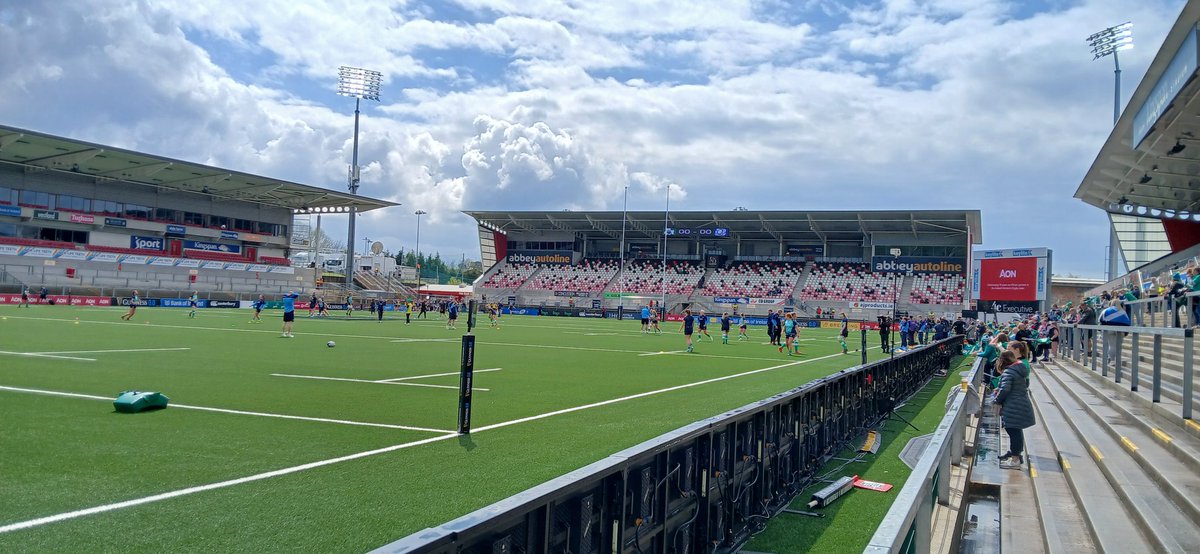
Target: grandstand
87, 219
757, 260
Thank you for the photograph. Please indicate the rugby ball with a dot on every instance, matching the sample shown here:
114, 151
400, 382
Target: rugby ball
331, 344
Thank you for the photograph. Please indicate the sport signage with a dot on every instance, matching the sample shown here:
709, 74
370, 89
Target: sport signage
1008, 279
1029, 307
212, 247
61, 299
731, 300
223, 304
806, 250
115, 222
572, 293
176, 230
146, 243
871, 305
12, 211
181, 303
914, 264
83, 218
229, 235
540, 257
48, 215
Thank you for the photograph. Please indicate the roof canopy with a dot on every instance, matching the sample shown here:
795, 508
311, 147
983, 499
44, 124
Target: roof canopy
798, 226
41, 152
1150, 164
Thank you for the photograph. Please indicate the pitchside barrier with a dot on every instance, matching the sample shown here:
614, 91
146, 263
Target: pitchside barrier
1103, 344
703, 488
908, 524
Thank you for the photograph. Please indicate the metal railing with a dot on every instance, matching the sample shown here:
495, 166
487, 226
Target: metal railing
907, 527
1082, 343
706, 487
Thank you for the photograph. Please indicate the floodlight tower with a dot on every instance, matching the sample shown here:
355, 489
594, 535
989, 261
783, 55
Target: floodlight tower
1106, 42
362, 84
419, 213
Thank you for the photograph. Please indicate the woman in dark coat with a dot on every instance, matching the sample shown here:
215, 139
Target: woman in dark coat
1016, 410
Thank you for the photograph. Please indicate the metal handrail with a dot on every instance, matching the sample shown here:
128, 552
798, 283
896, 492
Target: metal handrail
1078, 343
912, 512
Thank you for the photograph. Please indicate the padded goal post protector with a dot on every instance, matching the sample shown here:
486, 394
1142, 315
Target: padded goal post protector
132, 402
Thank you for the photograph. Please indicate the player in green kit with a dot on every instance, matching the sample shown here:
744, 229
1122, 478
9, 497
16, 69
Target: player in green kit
726, 321
742, 329
193, 301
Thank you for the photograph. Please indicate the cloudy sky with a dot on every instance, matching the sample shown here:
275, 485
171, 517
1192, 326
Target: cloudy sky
556, 104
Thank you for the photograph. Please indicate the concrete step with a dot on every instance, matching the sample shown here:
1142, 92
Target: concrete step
1166, 526
1063, 525
1173, 470
1107, 517
1180, 437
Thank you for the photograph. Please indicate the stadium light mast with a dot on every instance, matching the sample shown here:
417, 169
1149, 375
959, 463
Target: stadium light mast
361, 84
419, 213
895, 252
1106, 42
621, 268
666, 233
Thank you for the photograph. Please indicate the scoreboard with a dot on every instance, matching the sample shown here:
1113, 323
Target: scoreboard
707, 232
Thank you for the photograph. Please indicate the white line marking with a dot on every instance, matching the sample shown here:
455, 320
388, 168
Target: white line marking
109, 351
420, 340
238, 412
661, 353
611, 350
257, 477
43, 355
434, 375
370, 381
212, 486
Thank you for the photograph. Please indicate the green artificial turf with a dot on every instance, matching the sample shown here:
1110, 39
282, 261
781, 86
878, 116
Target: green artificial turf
62, 454
851, 520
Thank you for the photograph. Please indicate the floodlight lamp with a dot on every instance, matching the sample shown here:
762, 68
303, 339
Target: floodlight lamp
359, 83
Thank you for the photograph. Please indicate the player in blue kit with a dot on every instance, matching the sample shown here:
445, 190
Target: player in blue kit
193, 301
742, 329
726, 321
289, 313
702, 322
258, 307
451, 315
645, 319
686, 327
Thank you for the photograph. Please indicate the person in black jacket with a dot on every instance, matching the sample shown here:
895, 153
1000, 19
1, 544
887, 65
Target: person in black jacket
1016, 410
1087, 316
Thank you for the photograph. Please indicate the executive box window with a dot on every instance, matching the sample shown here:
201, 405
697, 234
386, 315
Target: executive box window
74, 203
63, 235
8, 196
192, 218
218, 221
243, 225
35, 199
166, 215
108, 207
136, 211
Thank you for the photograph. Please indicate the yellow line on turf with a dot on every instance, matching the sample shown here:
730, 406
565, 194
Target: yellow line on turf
230, 411
285, 471
1161, 435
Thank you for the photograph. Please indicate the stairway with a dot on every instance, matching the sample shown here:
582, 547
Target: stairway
1107, 471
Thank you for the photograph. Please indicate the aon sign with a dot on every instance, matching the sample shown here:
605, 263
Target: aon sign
1008, 274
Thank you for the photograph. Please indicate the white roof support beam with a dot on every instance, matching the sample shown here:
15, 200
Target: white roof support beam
769, 229
598, 225
65, 160
812, 225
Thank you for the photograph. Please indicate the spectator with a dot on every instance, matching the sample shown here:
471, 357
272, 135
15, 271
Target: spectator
1016, 410
1113, 315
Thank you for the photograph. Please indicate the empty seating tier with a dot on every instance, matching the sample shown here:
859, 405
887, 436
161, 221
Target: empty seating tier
937, 288
848, 282
753, 279
646, 277
587, 276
